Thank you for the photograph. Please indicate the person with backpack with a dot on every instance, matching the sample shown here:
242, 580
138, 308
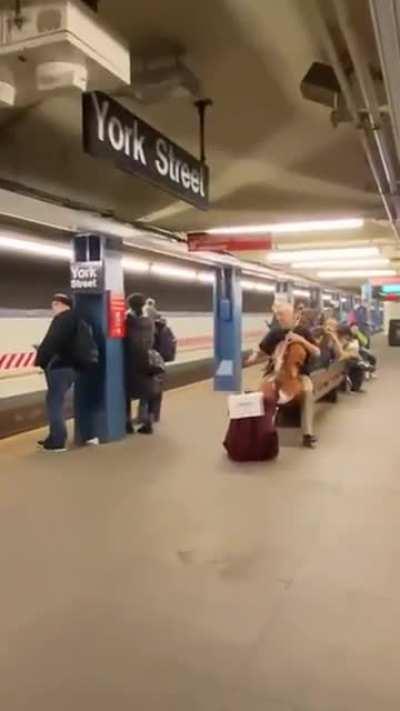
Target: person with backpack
68, 348
143, 364
165, 343
150, 309
56, 358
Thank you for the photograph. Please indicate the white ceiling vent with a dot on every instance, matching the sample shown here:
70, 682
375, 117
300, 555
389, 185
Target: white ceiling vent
61, 43
61, 75
7, 94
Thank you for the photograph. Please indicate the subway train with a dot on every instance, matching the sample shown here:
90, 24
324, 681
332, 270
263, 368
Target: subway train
26, 287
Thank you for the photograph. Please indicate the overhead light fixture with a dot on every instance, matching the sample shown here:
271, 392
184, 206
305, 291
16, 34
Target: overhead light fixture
303, 293
259, 286
172, 272
304, 255
130, 264
342, 264
356, 273
42, 249
206, 277
136, 266
247, 285
265, 288
291, 227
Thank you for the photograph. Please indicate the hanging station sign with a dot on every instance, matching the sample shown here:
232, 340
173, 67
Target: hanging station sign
112, 132
379, 281
206, 242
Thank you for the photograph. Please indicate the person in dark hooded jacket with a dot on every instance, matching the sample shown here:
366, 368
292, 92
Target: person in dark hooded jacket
140, 383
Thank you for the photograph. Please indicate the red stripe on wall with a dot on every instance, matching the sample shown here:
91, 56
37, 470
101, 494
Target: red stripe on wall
16, 361
9, 361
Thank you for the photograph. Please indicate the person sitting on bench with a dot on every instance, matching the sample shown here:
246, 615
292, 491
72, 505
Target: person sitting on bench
326, 337
364, 343
351, 354
289, 329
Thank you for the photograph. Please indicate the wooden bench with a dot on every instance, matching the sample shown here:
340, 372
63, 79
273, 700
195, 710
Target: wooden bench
326, 384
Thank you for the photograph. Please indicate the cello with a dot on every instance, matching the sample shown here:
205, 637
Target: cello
283, 384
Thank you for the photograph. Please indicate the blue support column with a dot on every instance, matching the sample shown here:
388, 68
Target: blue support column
100, 394
316, 298
284, 292
366, 293
340, 308
228, 330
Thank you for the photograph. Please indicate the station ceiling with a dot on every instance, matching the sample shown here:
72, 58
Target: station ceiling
273, 156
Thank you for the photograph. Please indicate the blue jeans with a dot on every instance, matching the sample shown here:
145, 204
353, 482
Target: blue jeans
59, 381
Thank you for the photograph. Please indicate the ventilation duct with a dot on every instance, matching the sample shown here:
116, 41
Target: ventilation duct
321, 86
50, 44
163, 79
7, 94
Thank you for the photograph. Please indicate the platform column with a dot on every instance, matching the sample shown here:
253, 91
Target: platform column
284, 292
98, 286
228, 330
366, 293
316, 299
340, 308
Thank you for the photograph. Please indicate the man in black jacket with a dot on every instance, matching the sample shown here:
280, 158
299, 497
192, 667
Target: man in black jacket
55, 357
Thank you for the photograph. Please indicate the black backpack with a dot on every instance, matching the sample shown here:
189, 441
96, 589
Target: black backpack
85, 351
166, 343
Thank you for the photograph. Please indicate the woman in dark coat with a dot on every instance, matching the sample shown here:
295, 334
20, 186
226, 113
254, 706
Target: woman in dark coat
140, 384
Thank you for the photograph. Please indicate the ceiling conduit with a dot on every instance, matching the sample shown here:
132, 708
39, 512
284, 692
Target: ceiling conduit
383, 173
364, 78
386, 22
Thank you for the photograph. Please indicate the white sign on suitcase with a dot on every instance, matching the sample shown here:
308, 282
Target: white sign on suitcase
246, 405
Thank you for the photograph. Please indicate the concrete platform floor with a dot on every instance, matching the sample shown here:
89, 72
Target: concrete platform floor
155, 575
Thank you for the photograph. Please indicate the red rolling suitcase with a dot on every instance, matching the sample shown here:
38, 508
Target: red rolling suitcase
253, 439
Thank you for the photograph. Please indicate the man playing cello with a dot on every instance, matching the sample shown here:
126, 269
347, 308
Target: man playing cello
274, 345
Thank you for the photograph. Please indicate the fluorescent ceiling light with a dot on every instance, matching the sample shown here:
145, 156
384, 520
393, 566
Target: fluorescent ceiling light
206, 277
266, 288
304, 255
301, 292
168, 271
356, 273
130, 264
42, 249
342, 263
290, 227
247, 285
257, 286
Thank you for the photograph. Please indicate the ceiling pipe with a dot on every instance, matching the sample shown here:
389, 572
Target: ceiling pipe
385, 20
368, 91
354, 112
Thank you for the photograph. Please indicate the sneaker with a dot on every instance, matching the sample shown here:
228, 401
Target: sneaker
310, 441
49, 447
94, 442
145, 429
